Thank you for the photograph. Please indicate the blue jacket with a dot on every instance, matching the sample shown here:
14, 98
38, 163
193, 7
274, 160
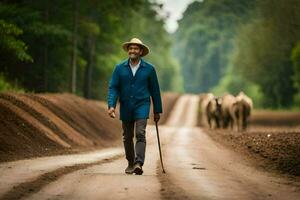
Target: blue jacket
134, 92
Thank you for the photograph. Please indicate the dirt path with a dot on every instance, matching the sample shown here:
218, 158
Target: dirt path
19, 172
196, 166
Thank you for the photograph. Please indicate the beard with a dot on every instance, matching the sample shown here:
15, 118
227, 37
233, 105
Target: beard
134, 56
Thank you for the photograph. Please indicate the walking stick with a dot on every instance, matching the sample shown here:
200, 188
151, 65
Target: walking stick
162, 165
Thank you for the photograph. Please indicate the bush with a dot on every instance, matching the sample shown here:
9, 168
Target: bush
5, 86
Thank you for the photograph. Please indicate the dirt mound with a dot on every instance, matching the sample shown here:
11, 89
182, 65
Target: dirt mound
272, 141
49, 124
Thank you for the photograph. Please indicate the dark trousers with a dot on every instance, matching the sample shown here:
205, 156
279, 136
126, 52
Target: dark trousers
137, 153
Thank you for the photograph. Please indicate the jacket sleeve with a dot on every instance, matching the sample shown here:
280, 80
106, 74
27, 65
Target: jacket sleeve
113, 89
155, 92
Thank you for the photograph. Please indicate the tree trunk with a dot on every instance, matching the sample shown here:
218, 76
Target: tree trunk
89, 68
74, 47
45, 63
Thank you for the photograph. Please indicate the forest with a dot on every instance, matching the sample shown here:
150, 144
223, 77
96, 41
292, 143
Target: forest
73, 45
250, 45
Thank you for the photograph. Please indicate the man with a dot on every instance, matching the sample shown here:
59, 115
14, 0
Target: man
134, 81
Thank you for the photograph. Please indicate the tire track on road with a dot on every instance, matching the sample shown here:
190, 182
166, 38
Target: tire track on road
21, 172
26, 189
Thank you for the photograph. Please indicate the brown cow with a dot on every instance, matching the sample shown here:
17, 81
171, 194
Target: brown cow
236, 111
242, 110
228, 117
203, 101
213, 112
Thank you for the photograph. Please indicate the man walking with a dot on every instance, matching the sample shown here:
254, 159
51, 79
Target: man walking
134, 81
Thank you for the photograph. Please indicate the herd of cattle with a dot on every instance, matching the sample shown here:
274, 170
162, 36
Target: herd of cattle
226, 111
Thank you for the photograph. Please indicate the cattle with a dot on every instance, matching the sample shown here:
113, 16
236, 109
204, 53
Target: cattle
203, 101
242, 110
227, 112
213, 112
236, 111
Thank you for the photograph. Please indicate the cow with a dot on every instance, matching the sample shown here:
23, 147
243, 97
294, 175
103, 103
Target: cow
203, 102
242, 110
227, 111
213, 112
236, 111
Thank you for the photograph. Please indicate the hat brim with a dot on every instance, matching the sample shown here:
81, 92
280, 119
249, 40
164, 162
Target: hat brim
146, 49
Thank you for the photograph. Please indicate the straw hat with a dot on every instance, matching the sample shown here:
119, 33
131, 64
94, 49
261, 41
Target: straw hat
137, 41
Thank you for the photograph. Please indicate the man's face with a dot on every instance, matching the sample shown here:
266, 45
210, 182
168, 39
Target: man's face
134, 51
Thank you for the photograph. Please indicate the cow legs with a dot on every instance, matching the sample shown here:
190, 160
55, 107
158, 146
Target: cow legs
209, 122
226, 121
217, 122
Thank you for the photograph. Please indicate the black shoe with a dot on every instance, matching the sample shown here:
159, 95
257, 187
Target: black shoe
129, 169
138, 169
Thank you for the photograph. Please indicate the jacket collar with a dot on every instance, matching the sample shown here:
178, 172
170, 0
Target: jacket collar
142, 64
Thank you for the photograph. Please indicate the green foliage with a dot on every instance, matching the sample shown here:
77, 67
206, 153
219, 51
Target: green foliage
52, 34
295, 57
5, 86
244, 45
9, 42
204, 47
263, 48
89, 28
296, 65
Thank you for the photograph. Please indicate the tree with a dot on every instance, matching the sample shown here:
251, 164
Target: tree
205, 46
263, 50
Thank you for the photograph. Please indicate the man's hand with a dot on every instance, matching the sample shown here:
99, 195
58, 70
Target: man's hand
156, 117
111, 112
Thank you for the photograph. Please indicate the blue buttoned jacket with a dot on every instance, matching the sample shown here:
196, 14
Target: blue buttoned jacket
134, 92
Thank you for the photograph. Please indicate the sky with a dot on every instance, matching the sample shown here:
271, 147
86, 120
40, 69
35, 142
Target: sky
175, 8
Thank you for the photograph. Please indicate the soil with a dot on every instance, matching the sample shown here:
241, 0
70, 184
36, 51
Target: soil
34, 125
272, 141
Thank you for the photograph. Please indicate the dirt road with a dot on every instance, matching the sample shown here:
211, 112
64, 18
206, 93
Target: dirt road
196, 168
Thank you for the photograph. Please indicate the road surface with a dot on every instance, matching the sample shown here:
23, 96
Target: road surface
196, 168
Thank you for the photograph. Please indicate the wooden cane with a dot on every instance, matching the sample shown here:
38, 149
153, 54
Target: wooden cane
161, 161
